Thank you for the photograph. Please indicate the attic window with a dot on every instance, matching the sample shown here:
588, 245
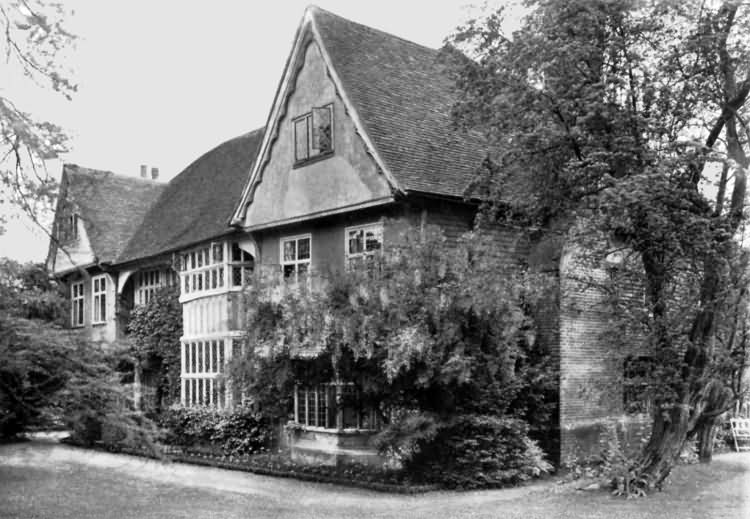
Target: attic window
313, 134
68, 227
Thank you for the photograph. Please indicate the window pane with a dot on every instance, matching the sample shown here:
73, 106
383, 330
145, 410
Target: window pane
289, 271
290, 250
214, 394
300, 140
321, 130
304, 248
322, 410
301, 406
192, 260
214, 279
373, 240
103, 307
355, 242
236, 276
221, 276
218, 252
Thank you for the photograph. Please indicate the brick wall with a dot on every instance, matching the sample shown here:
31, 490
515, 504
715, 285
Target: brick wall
591, 363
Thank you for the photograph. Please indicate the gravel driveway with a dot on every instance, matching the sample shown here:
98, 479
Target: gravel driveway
45, 480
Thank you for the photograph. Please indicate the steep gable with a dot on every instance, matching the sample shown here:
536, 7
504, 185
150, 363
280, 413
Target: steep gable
288, 187
399, 98
196, 205
109, 208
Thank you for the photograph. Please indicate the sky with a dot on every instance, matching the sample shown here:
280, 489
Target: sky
162, 82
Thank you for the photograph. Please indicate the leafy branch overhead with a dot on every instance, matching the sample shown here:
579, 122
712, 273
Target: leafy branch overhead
33, 44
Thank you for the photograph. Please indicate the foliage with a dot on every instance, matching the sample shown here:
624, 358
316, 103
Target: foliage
156, 328
51, 376
613, 465
28, 292
234, 432
34, 45
613, 117
468, 451
427, 332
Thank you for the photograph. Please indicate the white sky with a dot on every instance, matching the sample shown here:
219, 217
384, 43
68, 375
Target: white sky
162, 82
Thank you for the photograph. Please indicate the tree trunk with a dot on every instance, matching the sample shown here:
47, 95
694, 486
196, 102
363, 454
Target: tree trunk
668, 434
706, 435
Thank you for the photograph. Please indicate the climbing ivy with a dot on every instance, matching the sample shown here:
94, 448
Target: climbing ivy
155, 330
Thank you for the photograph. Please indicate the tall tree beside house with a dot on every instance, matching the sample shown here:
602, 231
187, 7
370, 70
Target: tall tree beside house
616, 115
33, 44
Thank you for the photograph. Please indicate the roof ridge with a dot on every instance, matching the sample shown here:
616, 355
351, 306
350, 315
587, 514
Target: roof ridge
84, 170
313, 8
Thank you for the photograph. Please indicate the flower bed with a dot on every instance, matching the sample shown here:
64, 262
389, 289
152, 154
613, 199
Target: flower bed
280, 465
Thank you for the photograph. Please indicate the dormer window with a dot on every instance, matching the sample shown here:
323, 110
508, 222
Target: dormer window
313, 134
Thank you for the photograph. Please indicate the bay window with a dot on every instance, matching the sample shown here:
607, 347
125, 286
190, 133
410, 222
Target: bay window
214, 267
203, 368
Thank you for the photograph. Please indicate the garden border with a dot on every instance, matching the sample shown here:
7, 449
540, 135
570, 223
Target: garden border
175, 454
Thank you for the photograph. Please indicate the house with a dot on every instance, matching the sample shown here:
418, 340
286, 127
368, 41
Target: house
359, 130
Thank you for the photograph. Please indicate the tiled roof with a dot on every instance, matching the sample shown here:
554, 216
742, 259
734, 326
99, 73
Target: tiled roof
110, 206
196, 204
404, 97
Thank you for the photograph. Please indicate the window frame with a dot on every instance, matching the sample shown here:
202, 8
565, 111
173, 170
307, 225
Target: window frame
245, 265
350, 257
204, 366
310, 156
296, 262
77, 304
99, 299
67, 227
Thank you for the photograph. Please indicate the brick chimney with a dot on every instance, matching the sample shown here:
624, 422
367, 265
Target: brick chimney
154, 173
144, 171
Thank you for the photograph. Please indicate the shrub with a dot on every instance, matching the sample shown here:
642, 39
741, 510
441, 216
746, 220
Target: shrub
232, 432
470, 451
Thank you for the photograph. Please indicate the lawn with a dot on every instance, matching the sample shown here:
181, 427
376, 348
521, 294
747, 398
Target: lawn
39, 480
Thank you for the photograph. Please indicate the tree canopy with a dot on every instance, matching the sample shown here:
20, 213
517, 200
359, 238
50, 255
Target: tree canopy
629, 120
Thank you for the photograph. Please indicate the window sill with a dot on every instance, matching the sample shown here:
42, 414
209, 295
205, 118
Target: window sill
312, 160
184, 298
349, 431
98, 324
77, 326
